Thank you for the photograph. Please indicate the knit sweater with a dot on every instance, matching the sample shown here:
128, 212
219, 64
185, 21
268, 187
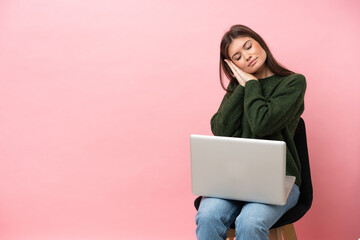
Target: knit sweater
269, 108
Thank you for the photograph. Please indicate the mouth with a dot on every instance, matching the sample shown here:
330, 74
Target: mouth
252, 62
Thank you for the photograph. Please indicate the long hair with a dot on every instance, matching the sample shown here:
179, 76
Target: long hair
241, 30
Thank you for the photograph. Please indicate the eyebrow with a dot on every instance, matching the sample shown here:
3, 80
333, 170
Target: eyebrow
238, 52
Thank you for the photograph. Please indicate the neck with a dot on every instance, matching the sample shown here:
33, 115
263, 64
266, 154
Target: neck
264, 72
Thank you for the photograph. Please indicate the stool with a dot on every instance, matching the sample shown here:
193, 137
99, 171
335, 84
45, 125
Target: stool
287, 231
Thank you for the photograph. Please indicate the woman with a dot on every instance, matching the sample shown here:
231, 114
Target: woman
263, 100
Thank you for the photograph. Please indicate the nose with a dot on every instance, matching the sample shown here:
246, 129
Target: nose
247, 57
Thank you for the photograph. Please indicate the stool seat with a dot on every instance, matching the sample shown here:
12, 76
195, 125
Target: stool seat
288, 231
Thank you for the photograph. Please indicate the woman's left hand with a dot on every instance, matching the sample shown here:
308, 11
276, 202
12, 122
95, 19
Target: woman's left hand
240, 73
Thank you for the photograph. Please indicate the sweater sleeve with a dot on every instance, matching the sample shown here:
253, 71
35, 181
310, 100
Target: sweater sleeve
227, 120
267, 116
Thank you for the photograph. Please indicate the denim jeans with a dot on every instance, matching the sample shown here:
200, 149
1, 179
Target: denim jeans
252, 220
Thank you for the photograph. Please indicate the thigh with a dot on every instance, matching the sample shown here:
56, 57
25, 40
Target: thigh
268, 214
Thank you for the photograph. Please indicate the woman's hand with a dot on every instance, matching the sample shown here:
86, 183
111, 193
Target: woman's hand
241, 76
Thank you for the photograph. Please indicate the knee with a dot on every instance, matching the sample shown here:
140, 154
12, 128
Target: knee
250, 226
212, 211
207, 218
210, 224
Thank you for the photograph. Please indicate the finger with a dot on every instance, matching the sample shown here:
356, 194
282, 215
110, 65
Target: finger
244, 75
235, 70
238, 73
230, 64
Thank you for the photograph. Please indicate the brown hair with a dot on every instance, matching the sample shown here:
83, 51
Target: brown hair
241, 30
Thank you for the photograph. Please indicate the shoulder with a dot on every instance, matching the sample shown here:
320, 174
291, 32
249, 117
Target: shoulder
295, 80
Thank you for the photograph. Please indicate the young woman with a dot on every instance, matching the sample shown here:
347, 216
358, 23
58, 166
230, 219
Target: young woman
263, 100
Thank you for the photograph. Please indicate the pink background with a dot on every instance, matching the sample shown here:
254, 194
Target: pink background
98, 99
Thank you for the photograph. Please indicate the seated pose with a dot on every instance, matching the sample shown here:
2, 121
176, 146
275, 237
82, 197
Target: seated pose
263, 100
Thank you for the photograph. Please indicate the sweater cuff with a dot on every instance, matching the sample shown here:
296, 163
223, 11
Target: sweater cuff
239, 90
252, 81
253, 87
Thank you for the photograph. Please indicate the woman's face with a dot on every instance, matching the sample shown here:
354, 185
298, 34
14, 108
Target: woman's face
247, 54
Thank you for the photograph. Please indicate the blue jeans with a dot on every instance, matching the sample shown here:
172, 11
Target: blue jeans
252, 220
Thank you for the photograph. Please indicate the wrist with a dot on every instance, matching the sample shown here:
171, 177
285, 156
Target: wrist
252, 79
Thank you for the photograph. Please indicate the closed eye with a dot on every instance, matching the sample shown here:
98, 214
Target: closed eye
237, 56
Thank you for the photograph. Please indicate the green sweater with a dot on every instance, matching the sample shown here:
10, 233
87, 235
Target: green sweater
266, 109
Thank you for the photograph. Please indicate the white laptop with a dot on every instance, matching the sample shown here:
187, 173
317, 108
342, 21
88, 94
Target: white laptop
243, 169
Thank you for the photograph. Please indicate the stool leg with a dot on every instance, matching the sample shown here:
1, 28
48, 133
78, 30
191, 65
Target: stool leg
231, 234
275, 234
289, 232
